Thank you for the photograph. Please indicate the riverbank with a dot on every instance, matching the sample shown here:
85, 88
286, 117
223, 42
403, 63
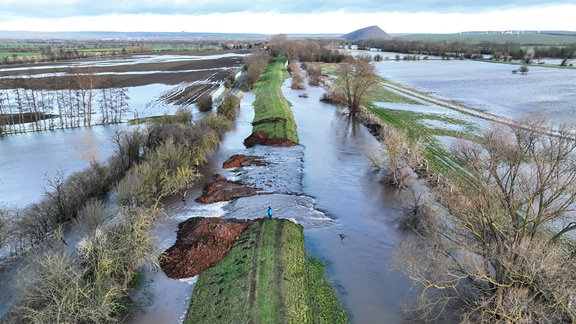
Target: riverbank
265, 278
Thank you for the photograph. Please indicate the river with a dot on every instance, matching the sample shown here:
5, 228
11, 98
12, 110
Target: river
326, 183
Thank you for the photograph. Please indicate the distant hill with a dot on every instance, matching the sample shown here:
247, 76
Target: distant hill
367, 33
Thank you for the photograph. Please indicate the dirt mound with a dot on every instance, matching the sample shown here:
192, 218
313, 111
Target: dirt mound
222, 189
239, 160
200, 244
261, 138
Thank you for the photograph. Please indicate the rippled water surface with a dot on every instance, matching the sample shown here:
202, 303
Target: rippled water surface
326, 183
491, 86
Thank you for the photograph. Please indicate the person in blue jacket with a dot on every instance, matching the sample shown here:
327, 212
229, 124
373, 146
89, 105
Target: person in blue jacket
269, 212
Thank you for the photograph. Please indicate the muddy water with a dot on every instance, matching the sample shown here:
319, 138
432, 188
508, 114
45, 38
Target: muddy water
360, 243
327, 185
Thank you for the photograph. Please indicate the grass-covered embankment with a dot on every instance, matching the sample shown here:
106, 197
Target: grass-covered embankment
272, 110
419, 127
266, 278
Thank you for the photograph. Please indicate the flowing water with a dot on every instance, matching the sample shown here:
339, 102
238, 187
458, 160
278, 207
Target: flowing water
326, 184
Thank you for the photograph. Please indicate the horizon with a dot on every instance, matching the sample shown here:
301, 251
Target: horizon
130, 34
285, 17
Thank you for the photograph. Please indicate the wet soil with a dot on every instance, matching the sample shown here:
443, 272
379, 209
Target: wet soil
200, 244
171, 73
222, 189
261, 138
240, 160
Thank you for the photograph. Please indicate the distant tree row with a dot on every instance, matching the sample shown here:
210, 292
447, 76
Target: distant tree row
51, 54
471, 50
24, 108
305, 50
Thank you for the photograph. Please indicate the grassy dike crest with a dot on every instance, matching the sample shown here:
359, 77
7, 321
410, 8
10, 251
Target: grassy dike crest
266, 278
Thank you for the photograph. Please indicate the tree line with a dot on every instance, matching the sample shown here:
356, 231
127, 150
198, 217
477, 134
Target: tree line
26, 108
491, 240
89, 282
498, 50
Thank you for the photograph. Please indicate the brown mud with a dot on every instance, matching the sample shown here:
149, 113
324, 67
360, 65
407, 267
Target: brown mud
261, 138
182, 71
200, 244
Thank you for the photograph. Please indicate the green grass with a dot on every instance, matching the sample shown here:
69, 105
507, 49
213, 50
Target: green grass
10, 54
438, 158
527, 38
266, 278
271, 105
386, 95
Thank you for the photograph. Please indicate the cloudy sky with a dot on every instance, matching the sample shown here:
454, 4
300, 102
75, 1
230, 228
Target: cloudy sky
286, 16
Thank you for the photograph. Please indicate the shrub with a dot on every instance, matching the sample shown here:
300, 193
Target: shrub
94, 214
4, 223
90, 287
297, 81
217, 124
184, 114
228, 107
204, 103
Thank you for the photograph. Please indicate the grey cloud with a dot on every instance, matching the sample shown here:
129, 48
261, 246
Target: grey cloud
104, 7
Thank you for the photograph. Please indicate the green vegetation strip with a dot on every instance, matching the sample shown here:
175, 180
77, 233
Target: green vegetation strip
384, 94
266, 278
414, 124
270, 106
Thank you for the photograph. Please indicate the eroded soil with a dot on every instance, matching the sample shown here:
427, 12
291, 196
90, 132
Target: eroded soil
200, 244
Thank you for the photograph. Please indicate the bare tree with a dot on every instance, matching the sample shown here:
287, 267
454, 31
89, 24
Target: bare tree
500, 249
4, 222
356, 79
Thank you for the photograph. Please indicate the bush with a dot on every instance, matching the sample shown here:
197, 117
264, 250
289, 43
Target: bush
217, 124
184, 114
314, 76
334, 97
297, 81
91, 287
204, 103
228, 107
94, 214
230, 79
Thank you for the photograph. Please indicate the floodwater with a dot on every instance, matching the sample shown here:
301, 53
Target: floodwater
327, 185
491, 87
29, 160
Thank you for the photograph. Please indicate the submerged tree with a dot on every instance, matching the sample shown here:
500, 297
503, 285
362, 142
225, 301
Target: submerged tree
500, 250
356, 79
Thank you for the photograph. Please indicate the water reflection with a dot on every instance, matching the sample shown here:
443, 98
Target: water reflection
326, 184
490, 86
360, 244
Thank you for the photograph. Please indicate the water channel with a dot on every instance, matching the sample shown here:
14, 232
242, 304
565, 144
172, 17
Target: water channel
326, 184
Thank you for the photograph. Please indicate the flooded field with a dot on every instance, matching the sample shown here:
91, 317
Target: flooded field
327, 183
491, 87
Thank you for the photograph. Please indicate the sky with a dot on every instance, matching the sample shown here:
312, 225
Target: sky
287, 16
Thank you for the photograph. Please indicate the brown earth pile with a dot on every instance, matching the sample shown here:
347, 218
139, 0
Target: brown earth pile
240, 160
200, 244
261, 138
222, 189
